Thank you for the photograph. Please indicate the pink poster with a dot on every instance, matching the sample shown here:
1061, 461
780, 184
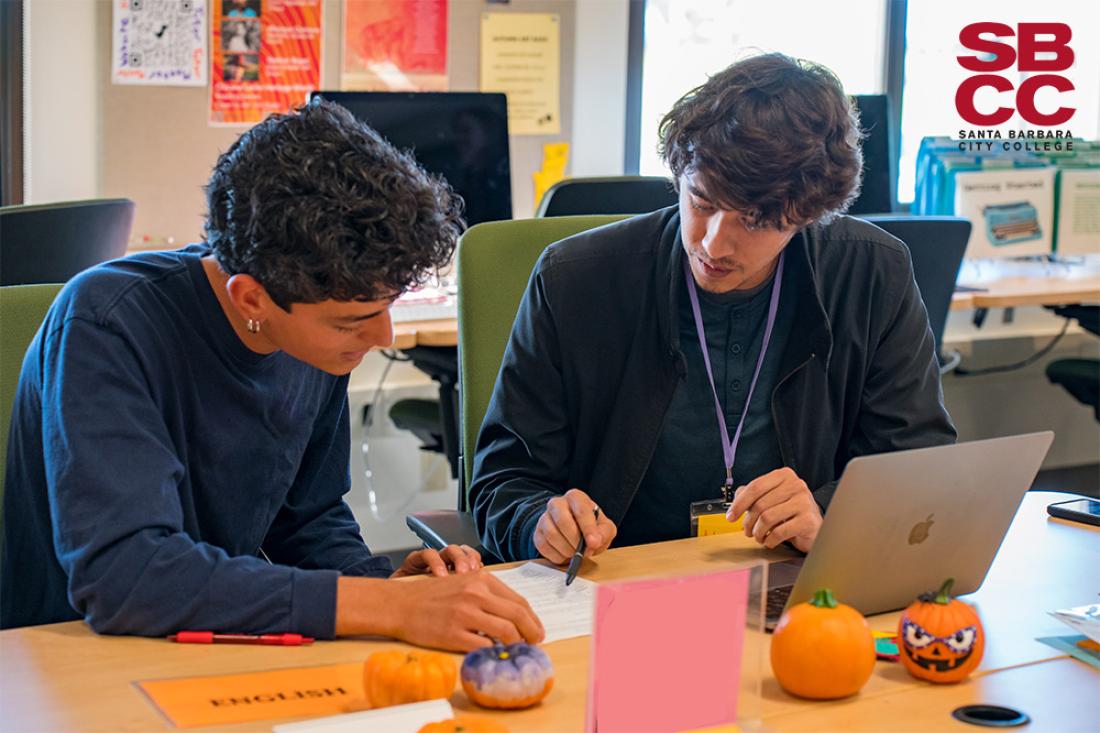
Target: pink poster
395, 45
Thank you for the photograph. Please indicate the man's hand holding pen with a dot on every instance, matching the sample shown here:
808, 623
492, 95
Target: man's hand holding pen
566, 519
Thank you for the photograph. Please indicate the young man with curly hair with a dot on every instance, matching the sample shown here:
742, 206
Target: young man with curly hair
180, 438
744, 344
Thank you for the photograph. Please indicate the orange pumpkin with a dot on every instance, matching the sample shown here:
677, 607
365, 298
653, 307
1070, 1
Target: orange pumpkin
822, 649
465, 724
399, 677
940, 638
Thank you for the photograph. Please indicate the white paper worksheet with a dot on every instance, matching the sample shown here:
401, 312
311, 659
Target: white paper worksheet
565, 611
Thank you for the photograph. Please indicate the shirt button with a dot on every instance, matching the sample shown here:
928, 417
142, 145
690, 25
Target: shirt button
736, 385
736, 348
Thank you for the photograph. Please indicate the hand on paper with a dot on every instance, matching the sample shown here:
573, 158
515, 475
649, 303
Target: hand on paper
458, 559
463, 612
778, 507
566, 517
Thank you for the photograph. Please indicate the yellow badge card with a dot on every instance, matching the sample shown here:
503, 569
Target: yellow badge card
716, 524
237, 698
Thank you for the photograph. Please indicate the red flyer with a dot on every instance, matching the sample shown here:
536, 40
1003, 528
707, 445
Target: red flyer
265, 57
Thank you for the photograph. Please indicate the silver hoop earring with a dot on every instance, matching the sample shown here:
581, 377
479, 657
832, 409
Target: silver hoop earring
253, 326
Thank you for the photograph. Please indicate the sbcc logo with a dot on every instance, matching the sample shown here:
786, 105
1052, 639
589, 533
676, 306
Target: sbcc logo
1004, 56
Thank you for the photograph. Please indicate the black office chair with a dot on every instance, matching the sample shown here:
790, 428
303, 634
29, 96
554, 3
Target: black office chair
49, 243
433, 422
615, 195
1079, 377
937, 245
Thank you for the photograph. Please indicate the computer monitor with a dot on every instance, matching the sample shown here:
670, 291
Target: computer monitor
877, 194
462, 136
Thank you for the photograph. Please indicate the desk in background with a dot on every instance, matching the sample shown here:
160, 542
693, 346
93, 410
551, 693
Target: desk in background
1004, 285
1011, 284
62, 677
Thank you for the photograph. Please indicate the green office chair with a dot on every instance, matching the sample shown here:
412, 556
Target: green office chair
22, 308
495, 260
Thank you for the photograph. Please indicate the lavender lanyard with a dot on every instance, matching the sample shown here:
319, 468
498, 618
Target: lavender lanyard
729, 448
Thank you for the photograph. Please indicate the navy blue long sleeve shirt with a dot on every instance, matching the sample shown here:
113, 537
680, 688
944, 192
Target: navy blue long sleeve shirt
153, 455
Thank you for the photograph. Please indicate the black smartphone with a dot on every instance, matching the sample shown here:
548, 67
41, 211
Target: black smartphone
1077, 510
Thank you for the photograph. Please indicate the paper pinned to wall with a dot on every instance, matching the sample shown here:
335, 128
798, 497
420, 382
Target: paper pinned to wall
555, 156
521, 56
161, 42
265, 57
395, 45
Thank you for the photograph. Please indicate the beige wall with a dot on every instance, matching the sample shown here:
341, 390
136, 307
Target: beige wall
62, 135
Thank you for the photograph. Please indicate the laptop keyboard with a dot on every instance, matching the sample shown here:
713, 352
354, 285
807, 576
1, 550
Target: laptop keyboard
777, 600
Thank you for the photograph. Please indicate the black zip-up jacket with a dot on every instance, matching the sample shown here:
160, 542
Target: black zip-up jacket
594, 358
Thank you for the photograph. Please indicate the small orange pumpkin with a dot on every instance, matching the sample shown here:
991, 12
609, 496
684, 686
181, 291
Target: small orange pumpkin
822, 649
940, 638
465, 724
397, 677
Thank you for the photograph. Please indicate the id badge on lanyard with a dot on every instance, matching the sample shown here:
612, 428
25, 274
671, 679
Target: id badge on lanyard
708, 517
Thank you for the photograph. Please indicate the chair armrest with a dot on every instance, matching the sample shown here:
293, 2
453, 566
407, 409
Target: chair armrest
442, 527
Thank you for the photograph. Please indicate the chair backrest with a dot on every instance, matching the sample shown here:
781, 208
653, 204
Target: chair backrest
49, 243
495, 260
616, 195
22, 308
937, 245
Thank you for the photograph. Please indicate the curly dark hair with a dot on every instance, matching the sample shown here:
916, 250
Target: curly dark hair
773, 137
316, 205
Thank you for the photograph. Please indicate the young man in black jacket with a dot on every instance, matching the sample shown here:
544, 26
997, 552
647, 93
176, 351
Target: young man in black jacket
610, 417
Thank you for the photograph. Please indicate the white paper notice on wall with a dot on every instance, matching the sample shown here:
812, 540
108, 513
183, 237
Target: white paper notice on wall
1078, 211
1012, 210
160, 42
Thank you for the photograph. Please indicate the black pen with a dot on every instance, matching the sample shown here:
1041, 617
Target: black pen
575, 563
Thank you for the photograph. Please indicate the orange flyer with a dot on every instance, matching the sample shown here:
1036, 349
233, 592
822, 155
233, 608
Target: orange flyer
265, 57
238, 698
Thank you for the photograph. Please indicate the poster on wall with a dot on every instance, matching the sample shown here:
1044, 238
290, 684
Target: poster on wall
395, 45
265, 57
520, 56
159, 42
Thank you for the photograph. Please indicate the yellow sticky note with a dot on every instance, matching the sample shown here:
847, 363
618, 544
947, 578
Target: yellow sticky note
716, 524
727, 728
555, 156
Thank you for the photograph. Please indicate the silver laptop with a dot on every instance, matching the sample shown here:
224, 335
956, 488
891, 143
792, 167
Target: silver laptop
901, 523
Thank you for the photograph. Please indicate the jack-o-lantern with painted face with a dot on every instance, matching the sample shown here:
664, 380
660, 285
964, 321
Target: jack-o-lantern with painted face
940, 638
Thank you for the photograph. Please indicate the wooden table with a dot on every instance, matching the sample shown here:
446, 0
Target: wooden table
62, 677
1010, 284
440, 332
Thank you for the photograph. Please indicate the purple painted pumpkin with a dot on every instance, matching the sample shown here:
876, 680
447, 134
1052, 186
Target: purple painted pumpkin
512, 676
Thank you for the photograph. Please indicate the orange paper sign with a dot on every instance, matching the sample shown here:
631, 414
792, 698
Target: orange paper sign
237, 698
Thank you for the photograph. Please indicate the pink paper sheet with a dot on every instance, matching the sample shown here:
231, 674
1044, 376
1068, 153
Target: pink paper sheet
666, 654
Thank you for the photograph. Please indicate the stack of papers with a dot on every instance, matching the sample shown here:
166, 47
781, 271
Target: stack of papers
1082, 619
1084, 646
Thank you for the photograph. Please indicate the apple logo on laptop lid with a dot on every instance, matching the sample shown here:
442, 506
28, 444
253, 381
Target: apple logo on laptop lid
920, 530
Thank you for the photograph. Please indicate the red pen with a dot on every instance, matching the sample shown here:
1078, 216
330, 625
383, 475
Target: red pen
209, 637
